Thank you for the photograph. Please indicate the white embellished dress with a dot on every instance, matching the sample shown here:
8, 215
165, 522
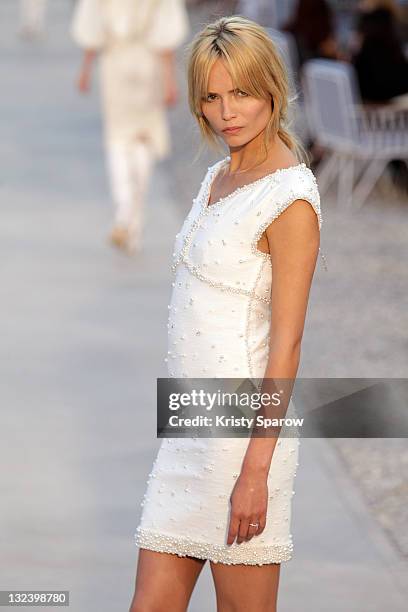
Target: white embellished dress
218, 326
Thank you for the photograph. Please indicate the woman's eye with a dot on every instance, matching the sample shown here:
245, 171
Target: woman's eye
211, 97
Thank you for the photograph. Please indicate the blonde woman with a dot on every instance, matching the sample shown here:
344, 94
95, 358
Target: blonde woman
137, 42
228, 501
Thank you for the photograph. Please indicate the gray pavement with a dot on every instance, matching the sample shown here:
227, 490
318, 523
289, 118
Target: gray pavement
83, 338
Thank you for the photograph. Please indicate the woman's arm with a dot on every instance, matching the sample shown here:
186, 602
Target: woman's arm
85, 73
168, 60
294, 240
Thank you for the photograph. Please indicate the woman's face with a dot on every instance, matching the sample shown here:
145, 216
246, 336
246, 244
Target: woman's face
225, 108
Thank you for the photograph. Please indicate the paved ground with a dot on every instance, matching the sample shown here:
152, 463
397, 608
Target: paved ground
83, 337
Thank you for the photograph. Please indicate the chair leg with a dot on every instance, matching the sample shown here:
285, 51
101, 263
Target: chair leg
345, 182
325, 171
349, 182
368, 180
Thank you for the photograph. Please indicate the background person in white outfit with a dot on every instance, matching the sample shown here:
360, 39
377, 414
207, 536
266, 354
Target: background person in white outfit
32, 17
137, 41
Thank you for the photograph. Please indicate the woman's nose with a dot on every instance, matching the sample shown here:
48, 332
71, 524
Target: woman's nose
227, 110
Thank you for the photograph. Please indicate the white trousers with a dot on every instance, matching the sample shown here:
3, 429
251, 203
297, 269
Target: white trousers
130, 166
32, 15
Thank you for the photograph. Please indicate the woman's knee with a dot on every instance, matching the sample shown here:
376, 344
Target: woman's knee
143, 604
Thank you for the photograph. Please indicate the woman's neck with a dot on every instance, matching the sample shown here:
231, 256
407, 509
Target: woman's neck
253, 156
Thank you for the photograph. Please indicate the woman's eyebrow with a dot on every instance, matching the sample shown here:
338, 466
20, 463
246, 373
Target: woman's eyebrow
230, 91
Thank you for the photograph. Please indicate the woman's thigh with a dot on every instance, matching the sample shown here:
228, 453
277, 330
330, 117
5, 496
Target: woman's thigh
246, 588
164, 581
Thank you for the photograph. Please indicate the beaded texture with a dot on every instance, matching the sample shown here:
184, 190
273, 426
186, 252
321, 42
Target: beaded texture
239, 553
218, 326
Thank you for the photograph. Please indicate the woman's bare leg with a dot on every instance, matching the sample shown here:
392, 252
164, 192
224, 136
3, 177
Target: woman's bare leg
164, 581
246, 588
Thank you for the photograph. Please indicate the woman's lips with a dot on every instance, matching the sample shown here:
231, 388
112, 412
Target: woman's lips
231, 130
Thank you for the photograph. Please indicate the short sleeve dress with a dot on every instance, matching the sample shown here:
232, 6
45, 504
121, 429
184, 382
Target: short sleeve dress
130, 35
218, 326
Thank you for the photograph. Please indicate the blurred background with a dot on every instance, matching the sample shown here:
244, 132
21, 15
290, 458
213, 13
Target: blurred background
84, 323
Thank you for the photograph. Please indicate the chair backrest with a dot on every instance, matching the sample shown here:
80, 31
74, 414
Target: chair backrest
261, 11
284, 10
331, 94
287, 48
270, 13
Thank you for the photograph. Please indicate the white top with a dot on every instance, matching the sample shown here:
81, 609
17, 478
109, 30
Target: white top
163, 24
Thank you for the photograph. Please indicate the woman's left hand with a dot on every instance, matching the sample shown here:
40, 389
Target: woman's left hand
249, 503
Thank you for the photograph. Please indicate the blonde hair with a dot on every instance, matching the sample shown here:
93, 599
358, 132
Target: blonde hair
255, 66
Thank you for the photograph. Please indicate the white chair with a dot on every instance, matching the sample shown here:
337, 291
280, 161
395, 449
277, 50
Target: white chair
271, 13
287, 48
351, 133
262, 11
286, 45
284, 9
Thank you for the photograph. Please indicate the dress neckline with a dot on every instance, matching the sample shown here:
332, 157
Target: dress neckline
245, 187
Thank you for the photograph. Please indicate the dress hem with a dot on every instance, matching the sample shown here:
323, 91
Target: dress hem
234, 555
